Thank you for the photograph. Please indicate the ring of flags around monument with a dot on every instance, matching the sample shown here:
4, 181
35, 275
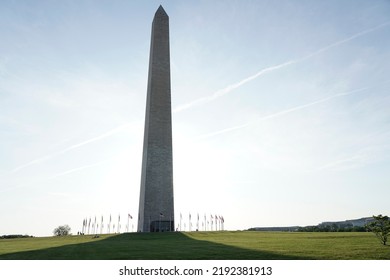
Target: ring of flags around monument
207, 222
102, 228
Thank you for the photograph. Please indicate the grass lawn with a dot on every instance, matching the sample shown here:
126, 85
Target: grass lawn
200, 245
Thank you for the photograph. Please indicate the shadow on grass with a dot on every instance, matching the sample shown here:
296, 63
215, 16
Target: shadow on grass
146, 246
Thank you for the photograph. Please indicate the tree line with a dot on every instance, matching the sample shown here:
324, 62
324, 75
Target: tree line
333, 228
11, 236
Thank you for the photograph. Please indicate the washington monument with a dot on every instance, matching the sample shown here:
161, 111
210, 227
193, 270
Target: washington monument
156, 212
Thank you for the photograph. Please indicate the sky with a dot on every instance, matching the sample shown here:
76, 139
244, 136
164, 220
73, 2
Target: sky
280, 111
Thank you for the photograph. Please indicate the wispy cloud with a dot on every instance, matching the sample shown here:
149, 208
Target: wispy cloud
344, 163
281, 113
72, 147
228, 89
77, 169
343, 41
361, 158
373, 147
52, 177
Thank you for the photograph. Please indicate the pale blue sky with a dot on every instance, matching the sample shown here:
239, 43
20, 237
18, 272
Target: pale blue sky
281, 110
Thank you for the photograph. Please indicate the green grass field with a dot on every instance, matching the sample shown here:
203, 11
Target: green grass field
199, 245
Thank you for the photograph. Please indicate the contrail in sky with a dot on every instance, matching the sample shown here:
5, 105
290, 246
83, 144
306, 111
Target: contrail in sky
363, 157
364, 32
218, 94
77, 169
281, 113
232, 87
72, 147
344, 163
228, 89
53, 177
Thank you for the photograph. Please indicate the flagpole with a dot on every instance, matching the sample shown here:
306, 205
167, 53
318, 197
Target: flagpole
119, 219
128, 222
101, 226
109, 225
159, 226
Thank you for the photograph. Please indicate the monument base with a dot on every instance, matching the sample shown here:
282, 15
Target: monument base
161, 226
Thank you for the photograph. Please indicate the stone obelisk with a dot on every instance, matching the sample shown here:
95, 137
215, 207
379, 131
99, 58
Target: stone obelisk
156, 211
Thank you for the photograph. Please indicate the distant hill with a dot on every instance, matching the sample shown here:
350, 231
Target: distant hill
355, 223
337, 225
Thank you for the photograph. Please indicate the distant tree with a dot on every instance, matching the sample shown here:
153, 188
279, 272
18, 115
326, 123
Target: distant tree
358, 229
62, 230
334, 227
380, 227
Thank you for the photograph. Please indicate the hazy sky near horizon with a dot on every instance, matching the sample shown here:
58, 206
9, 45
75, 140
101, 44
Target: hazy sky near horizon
280, 111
